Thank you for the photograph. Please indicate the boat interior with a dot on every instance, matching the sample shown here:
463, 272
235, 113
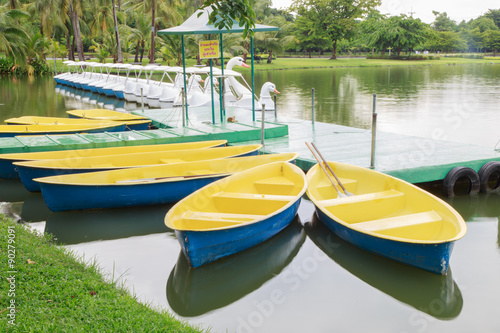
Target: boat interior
242, 200
384, 206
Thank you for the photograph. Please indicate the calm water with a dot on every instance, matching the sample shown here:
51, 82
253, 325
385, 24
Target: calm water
305, 279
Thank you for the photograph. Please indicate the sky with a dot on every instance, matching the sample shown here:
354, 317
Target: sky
457, 10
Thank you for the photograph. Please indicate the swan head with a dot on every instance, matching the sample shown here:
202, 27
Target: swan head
197, 78
236, 61
269, 87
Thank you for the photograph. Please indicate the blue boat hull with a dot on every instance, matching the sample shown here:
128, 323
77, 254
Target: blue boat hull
108, 92
8, 170
117, 128
430, 257
202, 247
27, 174
137, 127
119, 94
61, 197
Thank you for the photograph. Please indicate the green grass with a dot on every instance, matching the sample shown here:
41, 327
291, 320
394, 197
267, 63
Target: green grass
55, 292
296, 63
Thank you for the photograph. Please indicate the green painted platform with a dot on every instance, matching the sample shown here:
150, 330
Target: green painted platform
232, 132
414, 159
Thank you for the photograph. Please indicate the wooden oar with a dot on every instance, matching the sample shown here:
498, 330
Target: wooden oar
341, 195
333, 173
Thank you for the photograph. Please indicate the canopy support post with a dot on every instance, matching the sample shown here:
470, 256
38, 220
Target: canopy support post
222, 83
212, 85
253, 79
184, 73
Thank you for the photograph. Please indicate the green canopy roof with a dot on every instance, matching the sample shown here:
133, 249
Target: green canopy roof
195, 25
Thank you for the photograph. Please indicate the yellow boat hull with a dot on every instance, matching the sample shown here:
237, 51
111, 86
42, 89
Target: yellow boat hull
7, 169
143, 186
16, 130
33, 120
44, 168
103, 114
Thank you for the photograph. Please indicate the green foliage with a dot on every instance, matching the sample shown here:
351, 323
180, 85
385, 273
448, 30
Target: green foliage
399, 33
13, 36
443, 23
333, 18
6, 65
492, 40
494, 14
224, 13
465, 56
101, 53
34, 68
416, 57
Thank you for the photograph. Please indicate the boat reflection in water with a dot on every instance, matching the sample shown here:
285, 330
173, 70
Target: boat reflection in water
34, 208
12, 190
106, 224
90, 98
436, 295
193, 292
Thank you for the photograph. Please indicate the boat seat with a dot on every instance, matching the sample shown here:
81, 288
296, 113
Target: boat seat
171, 160
104, 165
399, 221
325, 188
251, 203
207, 220
361, 198
199, 172
239, 195
274, 185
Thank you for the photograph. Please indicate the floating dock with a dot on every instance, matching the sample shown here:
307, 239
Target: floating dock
233, 132
414, 159
411, 158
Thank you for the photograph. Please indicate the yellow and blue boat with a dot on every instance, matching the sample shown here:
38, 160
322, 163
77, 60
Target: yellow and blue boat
237, 212
104, 114
8, 170
137, 125
387, 216
143, 186
45, 168
16, 130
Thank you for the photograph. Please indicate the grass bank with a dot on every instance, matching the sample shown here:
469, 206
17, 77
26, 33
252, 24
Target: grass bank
44, 288
305, 63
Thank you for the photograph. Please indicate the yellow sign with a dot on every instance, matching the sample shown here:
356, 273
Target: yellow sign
209, 49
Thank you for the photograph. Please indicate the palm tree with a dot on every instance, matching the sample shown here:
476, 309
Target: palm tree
171, 45
139, 35
275, 41
35, 51
13, 37
75, 9
167, 12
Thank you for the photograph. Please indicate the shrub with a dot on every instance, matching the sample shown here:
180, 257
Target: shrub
5, 66
466, 56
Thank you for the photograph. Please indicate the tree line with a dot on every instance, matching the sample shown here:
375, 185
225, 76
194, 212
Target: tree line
32, 30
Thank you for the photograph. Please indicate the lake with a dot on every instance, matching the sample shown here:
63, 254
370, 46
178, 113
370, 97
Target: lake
305, 278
